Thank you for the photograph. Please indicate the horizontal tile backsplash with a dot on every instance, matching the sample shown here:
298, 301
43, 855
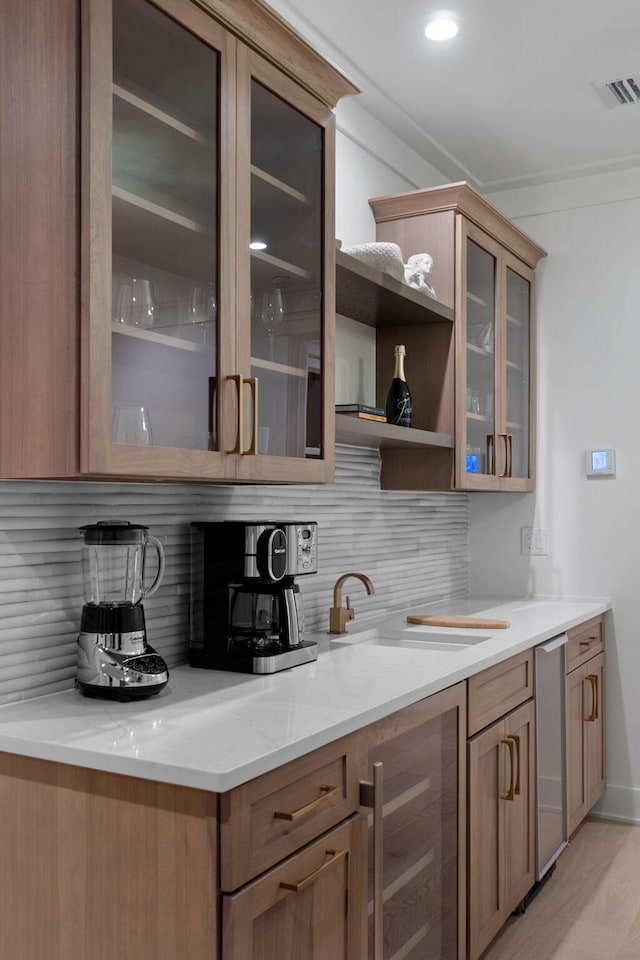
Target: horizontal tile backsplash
414, 547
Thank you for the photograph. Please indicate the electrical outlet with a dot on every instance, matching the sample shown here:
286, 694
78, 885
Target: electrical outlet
534, 542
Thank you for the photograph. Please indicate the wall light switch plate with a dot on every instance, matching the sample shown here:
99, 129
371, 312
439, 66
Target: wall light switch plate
534, 542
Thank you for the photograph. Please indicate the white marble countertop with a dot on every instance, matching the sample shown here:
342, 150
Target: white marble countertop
215, 730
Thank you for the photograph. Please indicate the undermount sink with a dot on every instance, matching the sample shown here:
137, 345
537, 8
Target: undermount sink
414, 638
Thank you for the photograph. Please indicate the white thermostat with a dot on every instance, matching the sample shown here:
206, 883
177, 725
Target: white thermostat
600, 463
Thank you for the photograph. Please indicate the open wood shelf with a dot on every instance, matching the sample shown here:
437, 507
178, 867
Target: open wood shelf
378, 299
386, 436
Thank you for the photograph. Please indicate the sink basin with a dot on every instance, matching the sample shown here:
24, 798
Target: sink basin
415, 638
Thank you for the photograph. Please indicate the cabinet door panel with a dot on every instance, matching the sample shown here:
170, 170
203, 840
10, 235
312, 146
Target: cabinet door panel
286, 301
420, 749
594, 776
488, 778
480, 305
575, 707
267, 920
519, 813
154, 209
518, 378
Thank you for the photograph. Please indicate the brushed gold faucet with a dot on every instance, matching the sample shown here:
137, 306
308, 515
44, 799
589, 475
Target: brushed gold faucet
339, 615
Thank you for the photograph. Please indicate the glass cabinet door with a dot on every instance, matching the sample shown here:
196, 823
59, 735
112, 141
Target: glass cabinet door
480, 348
517, 374
154, 252
164, 231
286, 264
283, 259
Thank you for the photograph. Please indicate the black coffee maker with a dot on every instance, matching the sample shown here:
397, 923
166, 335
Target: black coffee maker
246, 609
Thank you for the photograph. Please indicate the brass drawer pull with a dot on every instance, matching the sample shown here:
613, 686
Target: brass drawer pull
511, 792
327, 793
590, 640
297, 886
593, 680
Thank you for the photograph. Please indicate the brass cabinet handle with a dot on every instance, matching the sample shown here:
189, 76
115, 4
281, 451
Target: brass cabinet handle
511, 792
252, 449
508, 453
327, 793
593, 680
240, 382
296, 886
213, 386
516, 741
490, 450
371, 796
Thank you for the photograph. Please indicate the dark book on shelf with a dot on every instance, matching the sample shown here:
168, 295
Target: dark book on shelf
361, 409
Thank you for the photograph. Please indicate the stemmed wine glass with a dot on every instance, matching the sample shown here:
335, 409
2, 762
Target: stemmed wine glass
270, 314
203, 307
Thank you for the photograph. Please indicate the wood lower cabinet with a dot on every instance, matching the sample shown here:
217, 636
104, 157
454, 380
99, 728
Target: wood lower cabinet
586, 770
307, 907
417, 877
97, 866
501, 862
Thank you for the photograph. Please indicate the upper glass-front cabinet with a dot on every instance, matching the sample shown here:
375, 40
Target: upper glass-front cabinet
286, 275
210, 220
165, 231
495, 449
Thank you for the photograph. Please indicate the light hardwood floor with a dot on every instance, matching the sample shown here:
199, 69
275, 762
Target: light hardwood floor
589, 909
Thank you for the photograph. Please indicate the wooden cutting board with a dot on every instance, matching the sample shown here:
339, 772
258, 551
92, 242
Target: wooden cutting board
478, 622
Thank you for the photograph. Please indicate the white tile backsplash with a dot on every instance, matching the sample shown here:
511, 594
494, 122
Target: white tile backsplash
414, 546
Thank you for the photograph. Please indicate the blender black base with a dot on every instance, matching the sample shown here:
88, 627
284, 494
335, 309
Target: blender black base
123, 694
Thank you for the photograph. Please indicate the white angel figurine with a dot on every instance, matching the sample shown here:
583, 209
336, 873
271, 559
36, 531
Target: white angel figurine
417, 273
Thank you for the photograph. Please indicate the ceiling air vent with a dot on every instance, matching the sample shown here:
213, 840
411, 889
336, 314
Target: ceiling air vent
619, 93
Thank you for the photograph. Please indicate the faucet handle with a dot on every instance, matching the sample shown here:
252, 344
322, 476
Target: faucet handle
350, 611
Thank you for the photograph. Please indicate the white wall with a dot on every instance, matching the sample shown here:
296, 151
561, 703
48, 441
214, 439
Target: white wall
588, 313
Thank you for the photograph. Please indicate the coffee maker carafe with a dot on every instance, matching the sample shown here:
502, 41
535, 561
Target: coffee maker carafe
114, 658
246, 608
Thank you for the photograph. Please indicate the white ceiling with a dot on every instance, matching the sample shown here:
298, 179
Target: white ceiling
510, 101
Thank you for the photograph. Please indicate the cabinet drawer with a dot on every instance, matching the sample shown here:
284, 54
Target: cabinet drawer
309, 906
270, 817
585, 641
498, 690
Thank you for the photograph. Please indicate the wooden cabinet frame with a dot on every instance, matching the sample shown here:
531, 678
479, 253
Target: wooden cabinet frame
55, 362
439, 220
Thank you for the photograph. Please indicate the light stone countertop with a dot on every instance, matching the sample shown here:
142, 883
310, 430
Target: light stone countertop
215, 730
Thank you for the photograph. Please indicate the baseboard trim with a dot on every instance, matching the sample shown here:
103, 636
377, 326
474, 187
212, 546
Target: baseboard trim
618, 803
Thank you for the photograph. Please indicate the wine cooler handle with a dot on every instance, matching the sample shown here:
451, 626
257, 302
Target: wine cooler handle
371, 796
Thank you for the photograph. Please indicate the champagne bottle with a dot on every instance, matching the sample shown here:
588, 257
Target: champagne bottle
398, 406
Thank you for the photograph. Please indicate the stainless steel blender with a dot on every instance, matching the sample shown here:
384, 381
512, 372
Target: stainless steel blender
114, 658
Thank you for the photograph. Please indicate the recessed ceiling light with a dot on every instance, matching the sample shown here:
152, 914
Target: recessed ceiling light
441, 27
257, 245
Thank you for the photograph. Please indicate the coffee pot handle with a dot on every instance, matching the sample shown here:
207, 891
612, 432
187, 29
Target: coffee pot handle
148, 591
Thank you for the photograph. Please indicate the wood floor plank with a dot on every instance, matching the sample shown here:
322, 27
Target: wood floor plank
589, 909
